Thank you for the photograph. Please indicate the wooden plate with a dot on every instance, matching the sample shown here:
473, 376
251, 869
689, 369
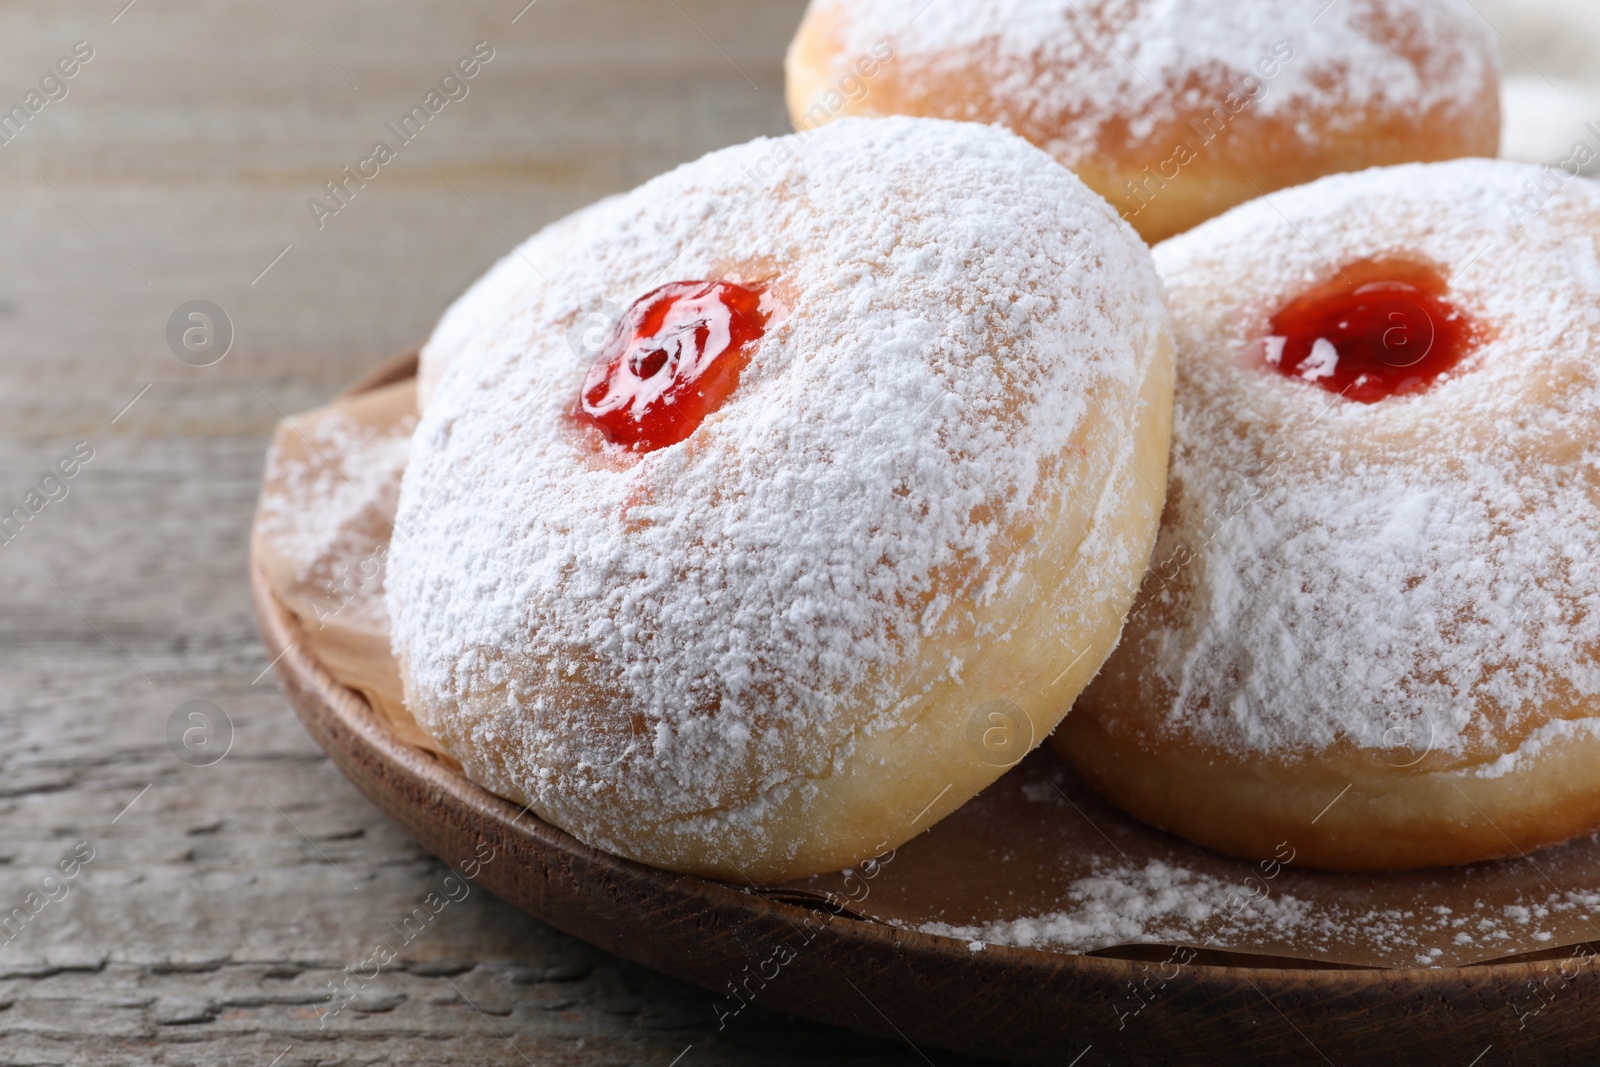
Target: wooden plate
1021, 1004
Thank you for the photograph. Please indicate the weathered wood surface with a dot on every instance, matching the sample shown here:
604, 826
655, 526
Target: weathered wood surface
221, 900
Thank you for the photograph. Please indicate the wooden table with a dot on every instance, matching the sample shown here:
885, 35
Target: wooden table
222, 900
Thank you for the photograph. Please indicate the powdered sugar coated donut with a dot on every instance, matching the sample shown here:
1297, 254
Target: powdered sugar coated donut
1373, 629
797, 637
1173, 110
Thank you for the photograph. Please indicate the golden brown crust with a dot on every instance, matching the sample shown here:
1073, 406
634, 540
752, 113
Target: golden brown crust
1357, 813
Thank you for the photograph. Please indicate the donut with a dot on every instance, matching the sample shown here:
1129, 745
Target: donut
1371, 631
831, 530
1172, 110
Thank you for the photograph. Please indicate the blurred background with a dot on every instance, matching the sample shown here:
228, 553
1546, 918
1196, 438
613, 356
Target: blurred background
1551, 52
174, 165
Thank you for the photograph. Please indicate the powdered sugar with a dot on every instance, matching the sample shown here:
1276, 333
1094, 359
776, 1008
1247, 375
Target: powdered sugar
1154, 904
1119, 72
1420, 574
1167, 904
337, 481
680, 632
1040, 861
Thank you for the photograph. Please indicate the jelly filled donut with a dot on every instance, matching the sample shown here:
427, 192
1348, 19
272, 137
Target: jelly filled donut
834, 526
1372, 628
1174, 110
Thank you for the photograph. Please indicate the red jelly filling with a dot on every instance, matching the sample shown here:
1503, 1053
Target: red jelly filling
672, 360
1378, 329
